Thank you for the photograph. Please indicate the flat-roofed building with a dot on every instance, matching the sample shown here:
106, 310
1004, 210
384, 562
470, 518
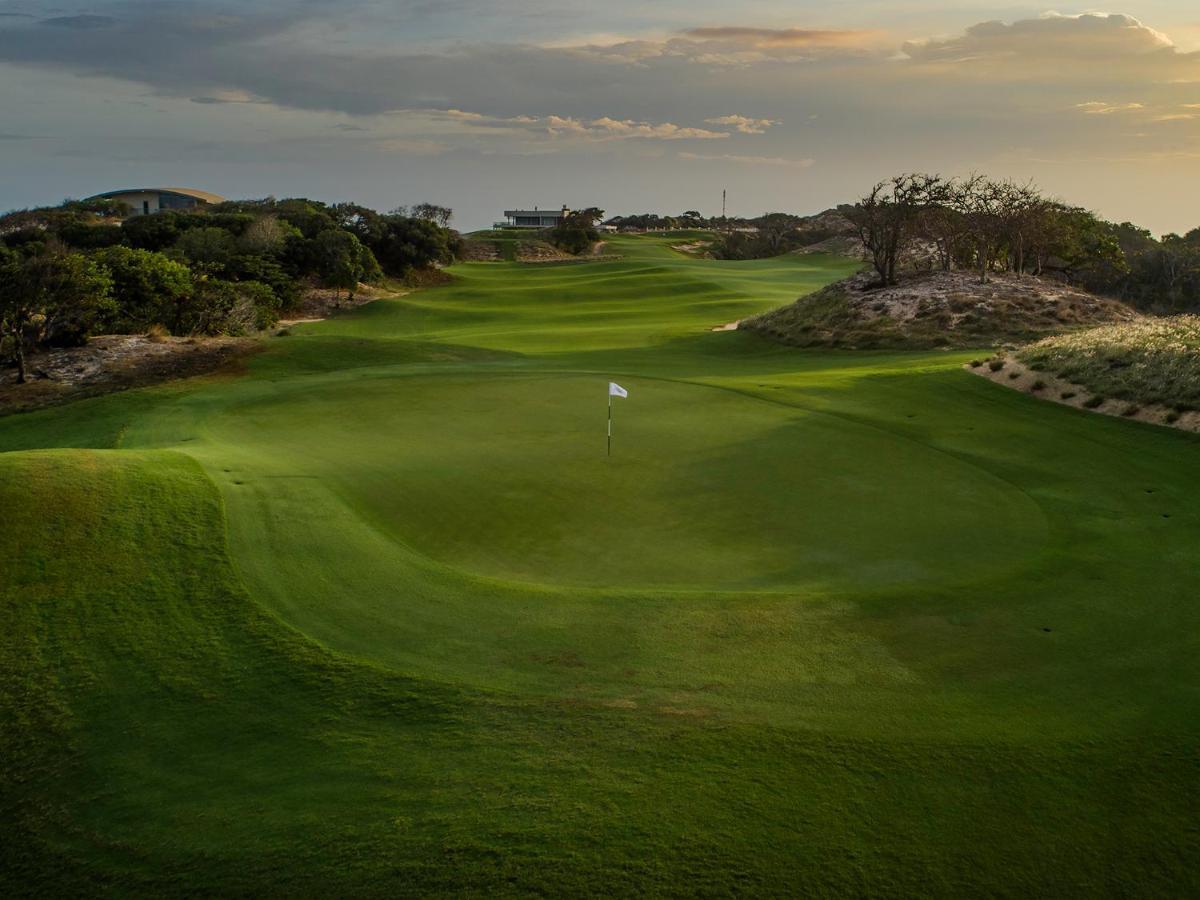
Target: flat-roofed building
533, 218
143, 201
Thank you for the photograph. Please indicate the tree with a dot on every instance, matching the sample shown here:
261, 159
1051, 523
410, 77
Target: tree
342, 260
981, 204
775, 230
265, 236
53, 297
156, 232
407, 244
226, 307
207, 250
148, 288
887, 216
430, 212
577, 230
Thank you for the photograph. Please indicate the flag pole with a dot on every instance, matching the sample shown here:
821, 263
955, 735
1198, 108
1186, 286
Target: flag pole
609, 422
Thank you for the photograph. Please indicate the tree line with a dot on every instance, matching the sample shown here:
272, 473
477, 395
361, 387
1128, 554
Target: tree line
988, 225
83, 268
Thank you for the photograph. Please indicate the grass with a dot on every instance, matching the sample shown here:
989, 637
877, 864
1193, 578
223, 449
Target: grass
380, 618
1150, 361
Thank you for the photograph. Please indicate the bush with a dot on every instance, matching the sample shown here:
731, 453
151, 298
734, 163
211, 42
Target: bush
1093, 402
1172, 417
147, 287
1132, 410
1067, 395
1013, 376
1038, 385
976, 363
996, 365
577, 231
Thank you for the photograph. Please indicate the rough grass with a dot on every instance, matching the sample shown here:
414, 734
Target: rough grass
943, 309
865, 625
1152, 361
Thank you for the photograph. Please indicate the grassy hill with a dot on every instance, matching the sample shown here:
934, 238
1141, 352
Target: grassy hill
380, 618
940, 309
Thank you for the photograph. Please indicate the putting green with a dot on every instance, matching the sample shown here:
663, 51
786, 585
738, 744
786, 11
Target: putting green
379, 616
709, 489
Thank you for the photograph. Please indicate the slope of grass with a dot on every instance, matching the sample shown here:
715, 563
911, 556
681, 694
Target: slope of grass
1149, 361
380, 618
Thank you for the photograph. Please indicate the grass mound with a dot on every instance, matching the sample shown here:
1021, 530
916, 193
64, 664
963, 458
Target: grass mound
943, 309
1145, 361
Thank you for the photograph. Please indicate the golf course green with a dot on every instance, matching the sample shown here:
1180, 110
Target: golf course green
378, 616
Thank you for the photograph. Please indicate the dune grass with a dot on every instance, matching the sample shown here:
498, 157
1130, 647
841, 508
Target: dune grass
1147, 361
380, 618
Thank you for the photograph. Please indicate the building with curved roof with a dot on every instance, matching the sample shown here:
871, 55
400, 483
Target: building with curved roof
143, 201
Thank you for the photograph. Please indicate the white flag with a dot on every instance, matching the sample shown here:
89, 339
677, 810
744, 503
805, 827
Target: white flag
615, 390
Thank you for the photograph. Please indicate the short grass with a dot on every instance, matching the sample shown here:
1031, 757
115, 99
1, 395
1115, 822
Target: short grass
380, 618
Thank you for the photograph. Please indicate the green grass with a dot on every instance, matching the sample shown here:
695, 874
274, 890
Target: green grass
380, 618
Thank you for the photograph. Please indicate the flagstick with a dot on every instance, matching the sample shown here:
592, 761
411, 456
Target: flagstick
610, 422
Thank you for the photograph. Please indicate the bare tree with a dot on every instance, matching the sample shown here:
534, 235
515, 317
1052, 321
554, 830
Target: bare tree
981, 203
886, 218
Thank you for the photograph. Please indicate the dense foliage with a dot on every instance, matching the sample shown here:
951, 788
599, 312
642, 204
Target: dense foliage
78, 269
577, 230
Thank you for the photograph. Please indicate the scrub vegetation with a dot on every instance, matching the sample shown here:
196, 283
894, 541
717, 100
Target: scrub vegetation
1147, 361
380, 618
81, 269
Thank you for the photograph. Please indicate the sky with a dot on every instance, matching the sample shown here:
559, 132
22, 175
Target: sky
648, 106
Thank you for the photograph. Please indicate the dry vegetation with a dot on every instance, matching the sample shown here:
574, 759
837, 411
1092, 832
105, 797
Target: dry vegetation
941, 309
117, 362
1146, 361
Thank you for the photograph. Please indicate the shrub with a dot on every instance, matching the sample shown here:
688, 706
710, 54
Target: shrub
976, 363
1067, 395
1093, 402
1172, 417
1038, 385
1132, 410
1013, 376
996, 365
156, 333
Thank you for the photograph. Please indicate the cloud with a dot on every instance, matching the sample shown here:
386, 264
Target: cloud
79, 23
1104, 108
744, 124
777, 37
1090, 36
403, 147
606, 127
235, 96
748, 160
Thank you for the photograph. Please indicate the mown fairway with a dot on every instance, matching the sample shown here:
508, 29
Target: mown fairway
379, 617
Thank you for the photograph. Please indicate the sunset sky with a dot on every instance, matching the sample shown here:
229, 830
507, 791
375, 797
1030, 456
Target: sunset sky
484, 105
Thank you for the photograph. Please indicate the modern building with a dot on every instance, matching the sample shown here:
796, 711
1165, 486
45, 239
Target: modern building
143, 201
533, 218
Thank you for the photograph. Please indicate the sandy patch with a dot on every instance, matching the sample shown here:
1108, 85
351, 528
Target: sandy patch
116, 362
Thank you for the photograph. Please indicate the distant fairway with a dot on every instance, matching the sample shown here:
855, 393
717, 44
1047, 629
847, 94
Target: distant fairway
380, 617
